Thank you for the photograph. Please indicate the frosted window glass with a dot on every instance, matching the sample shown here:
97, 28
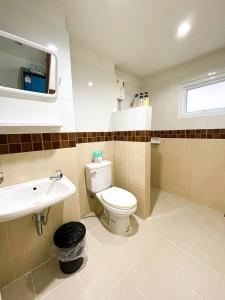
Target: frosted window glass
207, 97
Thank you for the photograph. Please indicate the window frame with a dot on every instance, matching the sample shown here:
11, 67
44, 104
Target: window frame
205, 81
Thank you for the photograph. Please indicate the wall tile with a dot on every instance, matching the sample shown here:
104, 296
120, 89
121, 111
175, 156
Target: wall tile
132, 171
191, 168
25, 249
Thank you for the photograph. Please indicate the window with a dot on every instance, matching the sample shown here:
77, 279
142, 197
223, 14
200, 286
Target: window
203, 97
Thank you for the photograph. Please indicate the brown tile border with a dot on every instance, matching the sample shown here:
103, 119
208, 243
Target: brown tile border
132, 136
16, 143
191, 133
90, 137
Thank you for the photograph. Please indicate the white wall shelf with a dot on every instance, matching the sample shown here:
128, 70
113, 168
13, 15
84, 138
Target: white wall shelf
136, 118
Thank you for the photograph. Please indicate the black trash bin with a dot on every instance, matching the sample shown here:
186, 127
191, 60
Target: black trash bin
69, 240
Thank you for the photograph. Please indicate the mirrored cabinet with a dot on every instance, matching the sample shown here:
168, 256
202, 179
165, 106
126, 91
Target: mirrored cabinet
27, 70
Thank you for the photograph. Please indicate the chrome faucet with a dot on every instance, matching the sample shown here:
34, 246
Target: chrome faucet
58, 176
1, 177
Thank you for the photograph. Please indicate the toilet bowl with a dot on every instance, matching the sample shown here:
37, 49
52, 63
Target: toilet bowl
118, 203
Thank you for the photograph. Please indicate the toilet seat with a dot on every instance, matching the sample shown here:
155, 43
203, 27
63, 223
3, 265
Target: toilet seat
118, 198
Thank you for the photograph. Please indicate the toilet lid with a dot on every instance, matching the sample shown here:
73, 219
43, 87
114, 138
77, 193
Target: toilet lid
118, 198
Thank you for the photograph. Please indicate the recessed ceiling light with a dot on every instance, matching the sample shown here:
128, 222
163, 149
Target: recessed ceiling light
90, 84
183, 29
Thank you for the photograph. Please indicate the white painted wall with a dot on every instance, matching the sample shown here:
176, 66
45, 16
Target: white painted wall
136, 118
93, 105
164, 89
20, 19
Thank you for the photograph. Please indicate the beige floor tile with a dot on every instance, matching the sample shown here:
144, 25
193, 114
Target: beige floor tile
203, 280
153, 281
151, 275
21, 289
125, 290
215, 221
90, 222
102, 235
100, 274
163, 202
47, 277
71, 289
181, 227
210, 248
93, 246
178, 254
181, 291
125, 251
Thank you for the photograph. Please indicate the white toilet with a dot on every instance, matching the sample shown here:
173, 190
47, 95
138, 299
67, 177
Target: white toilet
118, 203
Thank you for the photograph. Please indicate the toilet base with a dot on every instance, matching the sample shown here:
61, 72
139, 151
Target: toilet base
116, 223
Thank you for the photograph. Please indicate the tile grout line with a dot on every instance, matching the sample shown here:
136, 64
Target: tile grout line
165, 238
126, 272
84, 287
208, 266
188, 253
58, 285
32, 279
141, 294
169, 213
11, 283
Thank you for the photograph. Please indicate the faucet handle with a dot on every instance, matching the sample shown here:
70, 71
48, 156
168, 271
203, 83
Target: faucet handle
58, 176
1, 177
59, 173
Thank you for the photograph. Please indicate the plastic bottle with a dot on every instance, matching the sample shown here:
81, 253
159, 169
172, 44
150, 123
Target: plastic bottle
146, 99
141, 100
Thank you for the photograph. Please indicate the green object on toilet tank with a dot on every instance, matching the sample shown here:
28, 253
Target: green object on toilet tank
97, 154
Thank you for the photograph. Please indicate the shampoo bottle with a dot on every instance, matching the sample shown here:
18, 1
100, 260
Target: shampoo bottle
146, 99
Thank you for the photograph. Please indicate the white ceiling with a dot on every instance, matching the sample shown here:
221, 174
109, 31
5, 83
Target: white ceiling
140, 35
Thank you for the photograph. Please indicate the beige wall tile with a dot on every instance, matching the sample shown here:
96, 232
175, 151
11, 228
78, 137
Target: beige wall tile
21, 167
59, 216
25, 244
191, 168
132, 172
25, 249
131, 165
22, 289
147, 180
6, 263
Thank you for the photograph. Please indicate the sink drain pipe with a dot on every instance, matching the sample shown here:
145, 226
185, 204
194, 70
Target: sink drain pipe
41, 219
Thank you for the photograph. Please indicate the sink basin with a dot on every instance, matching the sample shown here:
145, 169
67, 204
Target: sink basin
33, 196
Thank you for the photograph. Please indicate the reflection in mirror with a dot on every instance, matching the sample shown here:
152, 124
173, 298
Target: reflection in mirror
26, 68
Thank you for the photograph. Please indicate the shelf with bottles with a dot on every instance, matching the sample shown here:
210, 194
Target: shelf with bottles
141, 99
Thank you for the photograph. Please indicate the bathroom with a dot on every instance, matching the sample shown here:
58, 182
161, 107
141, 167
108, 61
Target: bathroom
123, 135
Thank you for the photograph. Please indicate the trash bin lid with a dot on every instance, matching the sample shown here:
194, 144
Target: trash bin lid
69, 234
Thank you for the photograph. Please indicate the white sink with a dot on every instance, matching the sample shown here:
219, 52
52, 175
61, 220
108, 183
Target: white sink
33, 196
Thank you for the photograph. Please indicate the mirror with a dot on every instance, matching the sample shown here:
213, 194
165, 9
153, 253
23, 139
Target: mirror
26, 67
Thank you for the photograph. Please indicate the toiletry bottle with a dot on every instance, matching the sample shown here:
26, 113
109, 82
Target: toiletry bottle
146, 99
141, 100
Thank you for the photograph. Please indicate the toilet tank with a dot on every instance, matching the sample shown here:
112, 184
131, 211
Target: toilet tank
99, 176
